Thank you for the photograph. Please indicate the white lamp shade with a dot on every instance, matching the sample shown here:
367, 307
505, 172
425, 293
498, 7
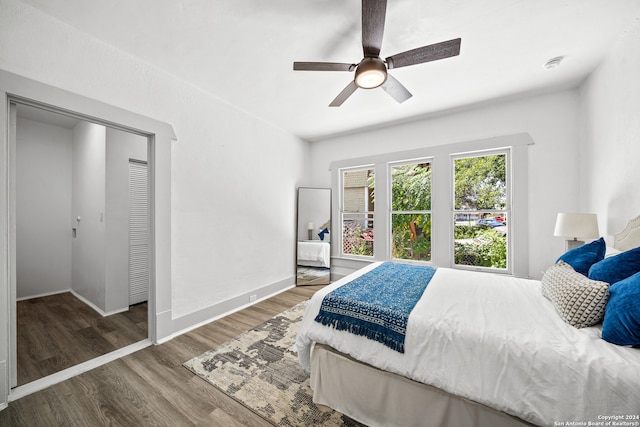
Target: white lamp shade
310, 226
577, 225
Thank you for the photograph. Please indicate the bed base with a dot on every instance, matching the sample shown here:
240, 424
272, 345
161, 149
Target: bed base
379, 398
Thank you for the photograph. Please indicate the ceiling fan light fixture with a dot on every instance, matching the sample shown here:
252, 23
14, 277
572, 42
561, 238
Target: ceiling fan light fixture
371, 73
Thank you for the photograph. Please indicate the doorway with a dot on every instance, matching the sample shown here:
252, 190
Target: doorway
72, 241
16, 89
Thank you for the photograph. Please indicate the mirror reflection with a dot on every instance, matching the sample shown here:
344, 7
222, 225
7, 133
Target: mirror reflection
313, 253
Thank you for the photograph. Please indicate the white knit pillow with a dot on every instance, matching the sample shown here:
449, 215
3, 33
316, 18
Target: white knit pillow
579, 300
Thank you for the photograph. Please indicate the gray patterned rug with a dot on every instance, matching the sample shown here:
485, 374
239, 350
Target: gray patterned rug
260, 369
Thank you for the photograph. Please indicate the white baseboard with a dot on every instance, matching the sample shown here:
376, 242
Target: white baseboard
199, 318
164, 327
96, 308
81, 298
46, 294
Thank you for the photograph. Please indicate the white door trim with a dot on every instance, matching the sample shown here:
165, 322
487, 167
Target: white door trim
15, 88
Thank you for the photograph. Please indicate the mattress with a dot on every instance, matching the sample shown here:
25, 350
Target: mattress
495, 340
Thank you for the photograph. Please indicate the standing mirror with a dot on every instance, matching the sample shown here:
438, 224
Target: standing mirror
313, 252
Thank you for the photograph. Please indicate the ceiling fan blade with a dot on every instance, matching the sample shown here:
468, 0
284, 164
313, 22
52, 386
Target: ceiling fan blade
373, 15
346, 93
394, 88
422, 54
323, 66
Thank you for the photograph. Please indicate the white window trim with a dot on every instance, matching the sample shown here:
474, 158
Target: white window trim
508, 210
340, 212
441, 200
390, 166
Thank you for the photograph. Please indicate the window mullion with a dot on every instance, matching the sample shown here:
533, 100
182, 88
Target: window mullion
381, 241
441, 205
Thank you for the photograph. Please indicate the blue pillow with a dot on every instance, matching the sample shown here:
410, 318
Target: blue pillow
616, 268
621, 323
583, 257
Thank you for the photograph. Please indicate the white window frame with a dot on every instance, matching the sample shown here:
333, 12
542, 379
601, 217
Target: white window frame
390, 166
366, 212
483, 153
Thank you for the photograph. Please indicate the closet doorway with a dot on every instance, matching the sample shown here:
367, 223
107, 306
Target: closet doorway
73, 206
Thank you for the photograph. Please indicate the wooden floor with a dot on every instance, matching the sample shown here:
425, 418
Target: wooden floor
59, 331
151, 387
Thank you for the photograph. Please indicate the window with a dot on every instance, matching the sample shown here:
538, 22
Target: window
357, 211
462, 205
481, 210
411, 211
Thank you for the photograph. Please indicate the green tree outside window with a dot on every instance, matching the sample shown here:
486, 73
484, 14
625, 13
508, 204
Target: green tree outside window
411, 211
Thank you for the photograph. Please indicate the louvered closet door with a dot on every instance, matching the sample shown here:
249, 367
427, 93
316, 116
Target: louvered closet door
138, 232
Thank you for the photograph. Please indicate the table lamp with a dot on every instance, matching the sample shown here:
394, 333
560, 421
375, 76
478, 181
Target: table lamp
574, 226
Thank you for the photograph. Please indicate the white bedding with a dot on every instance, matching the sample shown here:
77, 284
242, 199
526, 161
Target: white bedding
496, 340
315, 253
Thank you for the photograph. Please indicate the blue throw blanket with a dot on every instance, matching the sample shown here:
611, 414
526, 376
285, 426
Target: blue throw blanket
377, 304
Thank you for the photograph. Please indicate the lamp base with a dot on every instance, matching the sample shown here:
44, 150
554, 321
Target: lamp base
310, 234
572, 244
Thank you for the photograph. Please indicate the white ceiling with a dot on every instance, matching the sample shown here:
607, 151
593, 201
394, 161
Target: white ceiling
45, 116
242, 50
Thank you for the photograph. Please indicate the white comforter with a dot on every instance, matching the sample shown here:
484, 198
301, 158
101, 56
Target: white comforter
494, 339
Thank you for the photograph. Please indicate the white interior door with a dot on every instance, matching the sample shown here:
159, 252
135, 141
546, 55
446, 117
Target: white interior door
138, 232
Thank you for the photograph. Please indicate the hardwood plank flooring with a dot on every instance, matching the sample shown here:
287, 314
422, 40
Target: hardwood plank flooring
151, 387
59, 331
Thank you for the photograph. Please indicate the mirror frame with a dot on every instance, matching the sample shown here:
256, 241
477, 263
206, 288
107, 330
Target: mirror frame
315, 272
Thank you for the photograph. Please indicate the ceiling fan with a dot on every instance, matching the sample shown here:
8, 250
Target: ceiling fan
371, 71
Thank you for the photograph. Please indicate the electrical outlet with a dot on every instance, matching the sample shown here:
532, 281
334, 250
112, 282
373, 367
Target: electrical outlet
253, 298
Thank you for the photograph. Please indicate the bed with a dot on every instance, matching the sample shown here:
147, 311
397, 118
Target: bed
314, 253
480, 349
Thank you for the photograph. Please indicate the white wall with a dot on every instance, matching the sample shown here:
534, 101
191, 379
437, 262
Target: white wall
43, 223
233, 176
120, 147
610, 136
88, 203
550, 120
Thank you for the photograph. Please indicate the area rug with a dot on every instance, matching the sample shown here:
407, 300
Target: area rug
260, 369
